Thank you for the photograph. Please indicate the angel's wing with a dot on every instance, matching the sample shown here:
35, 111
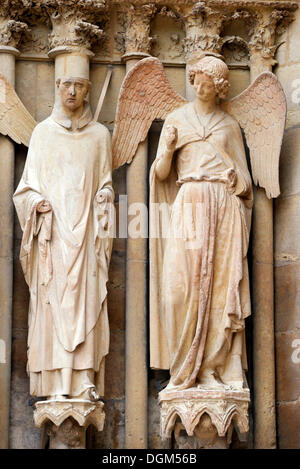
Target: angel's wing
15, 120
261, 112
145, 95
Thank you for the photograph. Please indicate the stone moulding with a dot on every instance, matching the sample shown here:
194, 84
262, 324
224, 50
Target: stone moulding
224, 407
84, 412
253, 4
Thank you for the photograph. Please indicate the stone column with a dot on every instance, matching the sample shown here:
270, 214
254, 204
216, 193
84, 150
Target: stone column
137, 46
71, 39
262, 49
11, 31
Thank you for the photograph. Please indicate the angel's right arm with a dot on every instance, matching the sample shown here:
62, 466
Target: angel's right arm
163, 165
166, 149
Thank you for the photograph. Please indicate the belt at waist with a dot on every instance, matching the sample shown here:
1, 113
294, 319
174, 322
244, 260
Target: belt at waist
206, 178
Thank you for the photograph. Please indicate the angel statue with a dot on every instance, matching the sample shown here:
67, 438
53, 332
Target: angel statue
65, 189
199, 284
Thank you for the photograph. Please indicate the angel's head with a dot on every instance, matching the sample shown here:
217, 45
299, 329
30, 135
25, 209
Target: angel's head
209, 77
73, 91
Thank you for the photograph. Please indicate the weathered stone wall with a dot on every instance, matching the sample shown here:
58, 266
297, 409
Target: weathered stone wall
35, 86
287, 250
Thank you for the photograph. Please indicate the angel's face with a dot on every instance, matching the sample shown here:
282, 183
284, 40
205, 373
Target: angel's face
204, 87
73, 91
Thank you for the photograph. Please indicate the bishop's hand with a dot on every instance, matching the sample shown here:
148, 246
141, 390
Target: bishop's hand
44, 206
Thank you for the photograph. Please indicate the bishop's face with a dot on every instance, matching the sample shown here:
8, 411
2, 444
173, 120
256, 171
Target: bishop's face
72, 92
204, 87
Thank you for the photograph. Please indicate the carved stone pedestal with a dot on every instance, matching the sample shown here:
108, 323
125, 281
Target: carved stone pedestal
66, 420
204, 418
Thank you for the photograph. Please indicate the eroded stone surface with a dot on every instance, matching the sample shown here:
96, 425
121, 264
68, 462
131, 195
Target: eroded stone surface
287, 295
289, 424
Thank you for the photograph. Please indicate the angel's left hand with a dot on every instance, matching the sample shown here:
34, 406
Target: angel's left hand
103, 196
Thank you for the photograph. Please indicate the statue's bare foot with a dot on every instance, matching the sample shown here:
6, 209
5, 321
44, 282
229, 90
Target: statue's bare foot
208, 380
89, 394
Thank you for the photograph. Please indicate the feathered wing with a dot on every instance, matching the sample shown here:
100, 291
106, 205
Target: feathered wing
145, 95
15, 120
261, 112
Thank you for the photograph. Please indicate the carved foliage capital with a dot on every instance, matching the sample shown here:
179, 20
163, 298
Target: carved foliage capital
11, 32
136, 21
265, 25
201, 15
13, 9
203, 26
12, 29
196, 45
203, 29
73, 22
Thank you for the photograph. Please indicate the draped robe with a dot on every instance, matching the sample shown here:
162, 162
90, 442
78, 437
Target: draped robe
65, 254
199, 285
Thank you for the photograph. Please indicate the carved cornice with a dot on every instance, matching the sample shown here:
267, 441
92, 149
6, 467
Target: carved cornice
232, 4
253, 4
82, 411
190, 405
80, 23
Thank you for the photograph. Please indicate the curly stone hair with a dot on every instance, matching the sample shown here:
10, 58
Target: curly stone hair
214, 68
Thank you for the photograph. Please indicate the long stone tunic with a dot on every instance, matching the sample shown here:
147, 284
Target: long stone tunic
199, 287
65, 254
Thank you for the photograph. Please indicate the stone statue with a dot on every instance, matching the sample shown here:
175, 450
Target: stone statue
204, 277
61, 201
199, 285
